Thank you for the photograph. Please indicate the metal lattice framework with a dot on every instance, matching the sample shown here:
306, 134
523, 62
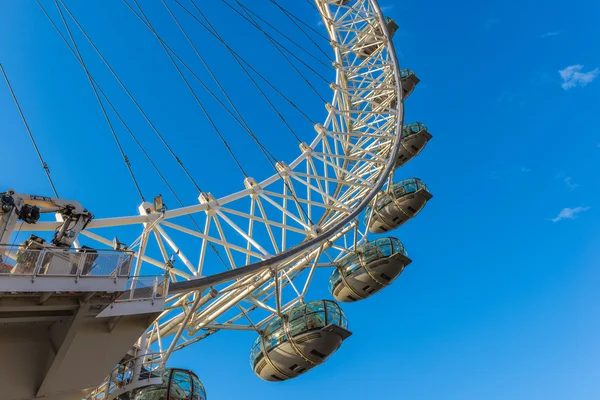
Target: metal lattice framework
274, 234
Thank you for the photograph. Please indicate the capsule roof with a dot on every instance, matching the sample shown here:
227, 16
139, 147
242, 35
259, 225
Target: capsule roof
405, 73
406, 186
176, 384
413, 128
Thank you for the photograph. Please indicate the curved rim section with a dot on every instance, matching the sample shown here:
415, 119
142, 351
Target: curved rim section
256, 277
204, 282
342, 218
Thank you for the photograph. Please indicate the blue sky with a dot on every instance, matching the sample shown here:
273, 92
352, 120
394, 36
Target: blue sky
501, 298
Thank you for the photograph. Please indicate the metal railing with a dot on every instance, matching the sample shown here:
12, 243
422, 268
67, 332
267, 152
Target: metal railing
50, 261
135, 373
145, 288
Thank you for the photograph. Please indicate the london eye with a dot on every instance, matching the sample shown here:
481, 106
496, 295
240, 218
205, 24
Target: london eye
132, 288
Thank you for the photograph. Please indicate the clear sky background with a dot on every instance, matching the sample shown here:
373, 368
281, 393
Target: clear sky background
501, 300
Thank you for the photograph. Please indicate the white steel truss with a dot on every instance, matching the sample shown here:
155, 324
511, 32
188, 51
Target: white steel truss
305, 216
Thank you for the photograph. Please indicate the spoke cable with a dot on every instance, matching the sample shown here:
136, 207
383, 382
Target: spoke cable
241, 120
290, 39
133, 136
160, 174
273, 41
206, 113
37, 150
272, 160
114, 74
276, 44
216, 34
241, 61
133, 99
312, 4
291, 16
123, 155
265, 151
281, 117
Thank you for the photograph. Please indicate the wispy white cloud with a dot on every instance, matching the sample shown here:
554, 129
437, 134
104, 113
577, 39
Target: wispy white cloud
548, 34
319, 19
572, 76
385, 9
570, 184
567, 180
569, 213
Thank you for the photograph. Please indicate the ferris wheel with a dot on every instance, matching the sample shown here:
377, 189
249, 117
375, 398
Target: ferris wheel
258, 247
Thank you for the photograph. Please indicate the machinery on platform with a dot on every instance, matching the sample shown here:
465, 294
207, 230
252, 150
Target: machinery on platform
27, 208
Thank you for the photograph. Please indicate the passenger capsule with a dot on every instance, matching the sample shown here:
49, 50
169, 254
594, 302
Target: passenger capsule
368, 269
338, 2
414, 139
409, 81
300, 340
398, 204
371, 38
176, 384
385, 95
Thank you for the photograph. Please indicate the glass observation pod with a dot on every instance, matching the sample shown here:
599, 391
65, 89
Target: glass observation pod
368, 269
409, 81
303, 338
177, 384
371, 38
387, 98
398, 204
414, 139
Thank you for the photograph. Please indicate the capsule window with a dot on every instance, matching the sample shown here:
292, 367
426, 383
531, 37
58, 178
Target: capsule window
317, 353
293, 367
366, 288
411, 209
350, 298
415, 148
384, 276
181, 386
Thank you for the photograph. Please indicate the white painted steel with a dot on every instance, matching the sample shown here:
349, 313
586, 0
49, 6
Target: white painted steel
301, 218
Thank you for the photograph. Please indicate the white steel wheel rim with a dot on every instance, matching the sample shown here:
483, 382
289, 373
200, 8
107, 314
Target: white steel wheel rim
369, 162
